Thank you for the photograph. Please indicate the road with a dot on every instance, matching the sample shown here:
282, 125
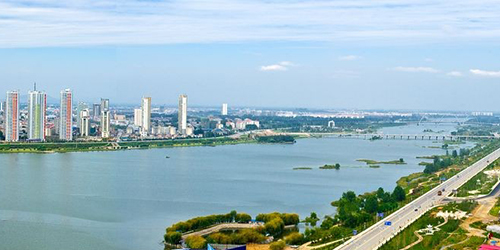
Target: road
376, 235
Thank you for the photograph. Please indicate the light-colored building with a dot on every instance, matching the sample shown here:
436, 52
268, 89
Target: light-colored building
2, 106
105, 118
81, 106
12, 116
96, 110
331, 124
37, 111
146, 116
137, 117
189, 130
66, 116
182, 116
224, 109
84, 122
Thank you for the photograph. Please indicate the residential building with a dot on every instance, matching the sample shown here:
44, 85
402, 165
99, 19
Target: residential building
37, 112
182, 116
66, 116
138, 117
146, 116
105, 118
81, 106
84, 122
224, 109
12, 116
96, 111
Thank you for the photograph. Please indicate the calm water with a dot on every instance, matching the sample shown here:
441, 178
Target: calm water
125, 199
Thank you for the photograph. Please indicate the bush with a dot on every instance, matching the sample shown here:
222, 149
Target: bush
277, 245
196, 242
173, 237
294, 238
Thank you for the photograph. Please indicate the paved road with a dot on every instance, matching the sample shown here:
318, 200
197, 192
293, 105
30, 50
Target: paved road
378, 234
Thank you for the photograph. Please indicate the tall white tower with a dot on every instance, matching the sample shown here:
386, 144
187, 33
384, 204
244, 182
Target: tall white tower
224, 109
145, 116
37, 103
12, 116
66, 116
84, 122
105, 118
182, 119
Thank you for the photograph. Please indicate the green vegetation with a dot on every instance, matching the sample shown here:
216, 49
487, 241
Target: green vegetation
495, 210
326, 166
302, 168
374, 166
277, 245
276, 139
481, 183
243, 236
372, 162
196, 242
199, 223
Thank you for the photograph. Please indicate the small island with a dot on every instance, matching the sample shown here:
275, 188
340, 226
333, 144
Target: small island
373, 162
276, 139
302, 168
327, 166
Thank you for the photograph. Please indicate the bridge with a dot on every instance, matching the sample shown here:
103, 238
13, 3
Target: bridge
399, 136
379, 233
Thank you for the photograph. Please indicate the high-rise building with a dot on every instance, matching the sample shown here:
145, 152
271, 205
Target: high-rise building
96, 111
146, 116
12, 116
224, 109
81, 106
66, 116
84, 122
37, 110
182, 118
105, 118
2, 106
138, 117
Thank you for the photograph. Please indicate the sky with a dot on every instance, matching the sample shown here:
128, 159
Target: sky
343, 54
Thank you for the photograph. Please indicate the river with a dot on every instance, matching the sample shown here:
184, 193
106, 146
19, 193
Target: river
126, 199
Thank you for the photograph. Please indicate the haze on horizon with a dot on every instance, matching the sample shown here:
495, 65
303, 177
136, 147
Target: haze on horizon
434, 55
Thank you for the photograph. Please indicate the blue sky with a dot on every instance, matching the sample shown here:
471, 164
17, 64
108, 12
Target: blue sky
439, 55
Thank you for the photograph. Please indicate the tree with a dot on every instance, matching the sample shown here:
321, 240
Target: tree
2, 137
337, 166
454, 154
399, 193
277, 245
294, 238
173, 237
371, 204
196, 242
243, 218
380, 193
233, 215
401, 160
275, 226
219, 238
328, 222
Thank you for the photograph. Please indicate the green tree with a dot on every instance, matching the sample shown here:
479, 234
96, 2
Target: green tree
380, 193
294, 238
337, 166
243, 218
454, 153
401, 160
196, 242
371, 204
173, 237
399, 193
233, 215
219, 238
275, 226
277, 245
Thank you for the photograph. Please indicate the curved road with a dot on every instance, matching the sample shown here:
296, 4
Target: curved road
376, 235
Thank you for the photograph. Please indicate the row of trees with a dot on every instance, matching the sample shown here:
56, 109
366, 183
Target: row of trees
202, 222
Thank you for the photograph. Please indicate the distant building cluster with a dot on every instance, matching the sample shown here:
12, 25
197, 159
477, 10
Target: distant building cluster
37, 121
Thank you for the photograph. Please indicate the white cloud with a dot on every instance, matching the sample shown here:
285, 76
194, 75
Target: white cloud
41, 23
349, 58
485, 73
455, 73
416, 69
274, 67
282, 66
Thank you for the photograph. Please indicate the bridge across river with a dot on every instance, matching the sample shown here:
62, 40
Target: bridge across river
376, 136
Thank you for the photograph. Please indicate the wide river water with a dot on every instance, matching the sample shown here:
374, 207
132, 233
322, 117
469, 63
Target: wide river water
126, 199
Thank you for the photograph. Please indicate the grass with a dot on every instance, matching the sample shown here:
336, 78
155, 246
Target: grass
495, 210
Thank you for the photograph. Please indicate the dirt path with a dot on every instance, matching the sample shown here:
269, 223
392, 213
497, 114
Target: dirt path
480, 213
420, 237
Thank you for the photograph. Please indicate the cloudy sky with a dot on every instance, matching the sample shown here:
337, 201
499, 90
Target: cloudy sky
384, 54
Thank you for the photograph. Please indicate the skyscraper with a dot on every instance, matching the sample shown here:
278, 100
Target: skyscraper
182, 119
81, 106
84, 122
12, 116
145, 116
224, 109
105, 118
66, 116
37, 108
138, 117
96, 111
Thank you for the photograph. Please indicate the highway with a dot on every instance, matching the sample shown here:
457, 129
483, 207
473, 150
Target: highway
379, 233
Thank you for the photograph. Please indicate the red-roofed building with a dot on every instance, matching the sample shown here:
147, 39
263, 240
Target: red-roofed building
488, 247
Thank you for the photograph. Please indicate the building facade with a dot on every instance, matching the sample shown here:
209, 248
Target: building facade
12, 116
37, 113
105, 118
182, 116
145, 116
138, 117
224, 109
66, 116
84, 123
